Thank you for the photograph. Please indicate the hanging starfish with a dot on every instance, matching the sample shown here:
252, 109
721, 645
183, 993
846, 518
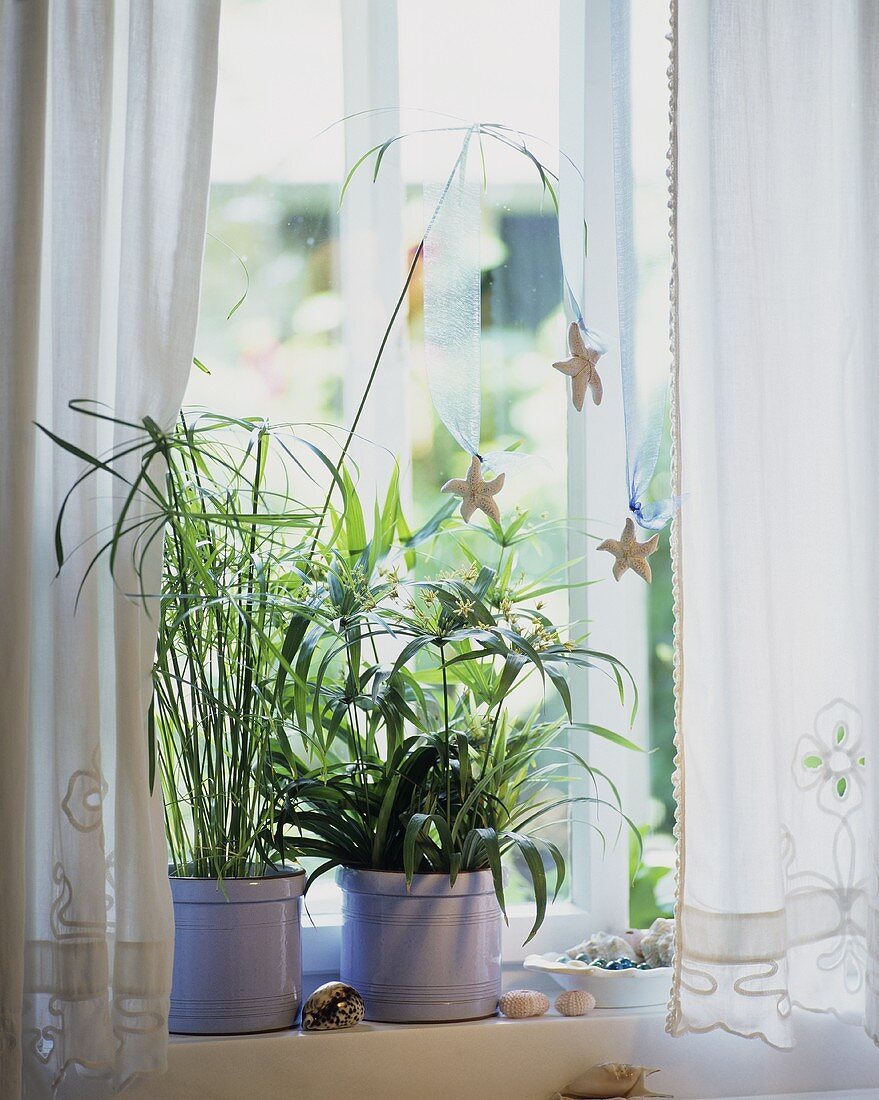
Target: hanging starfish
631, 554
475, 492
580, 368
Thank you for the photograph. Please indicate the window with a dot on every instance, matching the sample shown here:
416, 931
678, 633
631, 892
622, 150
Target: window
323, 280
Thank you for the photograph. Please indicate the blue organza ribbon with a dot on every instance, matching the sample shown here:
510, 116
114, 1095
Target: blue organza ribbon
452, 308
643, 428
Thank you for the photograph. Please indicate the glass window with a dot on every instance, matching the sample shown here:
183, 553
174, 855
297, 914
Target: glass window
276, 232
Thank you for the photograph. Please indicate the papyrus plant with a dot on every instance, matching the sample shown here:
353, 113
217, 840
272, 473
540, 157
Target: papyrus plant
228, 500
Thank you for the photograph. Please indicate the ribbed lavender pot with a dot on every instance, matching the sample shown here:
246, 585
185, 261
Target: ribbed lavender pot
425, 955
237, 954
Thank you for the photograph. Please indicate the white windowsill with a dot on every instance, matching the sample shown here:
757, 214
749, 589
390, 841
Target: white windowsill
500, 1059
846, 1094
550, 1019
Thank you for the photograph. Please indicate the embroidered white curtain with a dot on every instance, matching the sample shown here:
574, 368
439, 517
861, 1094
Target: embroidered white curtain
778, 402
106, 113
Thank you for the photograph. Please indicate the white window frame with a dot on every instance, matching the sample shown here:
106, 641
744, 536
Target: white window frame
371, 274
597, 449
371, 243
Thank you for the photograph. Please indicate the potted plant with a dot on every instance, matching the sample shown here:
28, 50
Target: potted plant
217, 492
415, 771
311, 699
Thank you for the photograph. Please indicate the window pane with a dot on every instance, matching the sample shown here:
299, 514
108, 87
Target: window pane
522, 309
274, 204
274, 211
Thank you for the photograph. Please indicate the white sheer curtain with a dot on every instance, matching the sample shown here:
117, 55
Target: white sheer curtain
106, 113
778, 402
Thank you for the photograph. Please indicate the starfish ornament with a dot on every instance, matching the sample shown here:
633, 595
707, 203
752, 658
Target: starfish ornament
580, 368
631, 554
475, 492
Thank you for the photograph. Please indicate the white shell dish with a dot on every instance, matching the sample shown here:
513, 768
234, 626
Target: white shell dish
610, 988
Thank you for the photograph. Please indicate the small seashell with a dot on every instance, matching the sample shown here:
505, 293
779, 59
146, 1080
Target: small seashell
658, 944
575, 1002
332, 1006
633, 938
603, 945
612, 1079
518, 1004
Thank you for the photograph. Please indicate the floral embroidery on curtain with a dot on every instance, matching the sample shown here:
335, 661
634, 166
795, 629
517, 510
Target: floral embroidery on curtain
829, 768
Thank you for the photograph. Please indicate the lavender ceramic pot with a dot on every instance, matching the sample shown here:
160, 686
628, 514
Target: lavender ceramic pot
237, 954
428, 954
